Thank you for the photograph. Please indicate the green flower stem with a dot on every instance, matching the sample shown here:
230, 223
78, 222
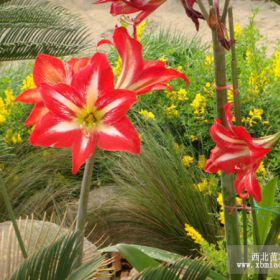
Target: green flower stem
237, 118
83, 203
231, 220
12, 216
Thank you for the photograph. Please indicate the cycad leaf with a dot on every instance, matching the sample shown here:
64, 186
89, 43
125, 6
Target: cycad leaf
57, 262
4, 1
198, 270
30, 27
37, 14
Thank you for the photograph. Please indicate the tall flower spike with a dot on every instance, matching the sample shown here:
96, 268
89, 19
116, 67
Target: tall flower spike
48, 70
237, 151
145, 7
136, 74
86, 113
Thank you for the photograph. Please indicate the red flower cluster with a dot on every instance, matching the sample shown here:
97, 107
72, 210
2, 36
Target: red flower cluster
77, 104
237, 151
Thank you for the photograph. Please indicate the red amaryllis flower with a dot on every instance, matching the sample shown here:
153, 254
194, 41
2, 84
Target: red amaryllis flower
145, 7
50, 70
191, 13
86, 113
237, 151
136, 74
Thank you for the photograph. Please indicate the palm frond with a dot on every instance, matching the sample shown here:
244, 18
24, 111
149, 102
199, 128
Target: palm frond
36, 235
4, 1
57, 261
198, 270
30, 27
37, 14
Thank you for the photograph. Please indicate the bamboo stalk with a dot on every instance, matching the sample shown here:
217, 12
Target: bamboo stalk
231, 220
237, 119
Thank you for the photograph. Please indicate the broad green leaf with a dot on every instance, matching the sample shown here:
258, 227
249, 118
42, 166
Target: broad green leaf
136, 258
268, 194
165, 256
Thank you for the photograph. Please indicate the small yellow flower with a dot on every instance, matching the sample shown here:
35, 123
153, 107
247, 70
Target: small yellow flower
187, 160
118, 67
180, 68
139, 30
147, 115
28, 83
193, 138
177, 148
261, 169
196, 236
182, 94
237, 29
201, 162
201, 186
163, 58
171, 111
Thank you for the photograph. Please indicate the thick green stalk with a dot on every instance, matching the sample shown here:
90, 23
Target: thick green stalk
83, 203
231, 220
13, 219
225, 10
202, 9
237, 118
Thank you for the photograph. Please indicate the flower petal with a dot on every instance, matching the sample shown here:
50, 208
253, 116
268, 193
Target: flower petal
130, 51
121, 136
51, 70
78, 63
32, 96
36, 114
94, 80
62, 100
150, 78
53, 132
82, 149
114, 105
246, 180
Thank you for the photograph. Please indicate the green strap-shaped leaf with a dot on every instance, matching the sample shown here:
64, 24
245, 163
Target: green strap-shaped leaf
268, 194
162, 255
136, 258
